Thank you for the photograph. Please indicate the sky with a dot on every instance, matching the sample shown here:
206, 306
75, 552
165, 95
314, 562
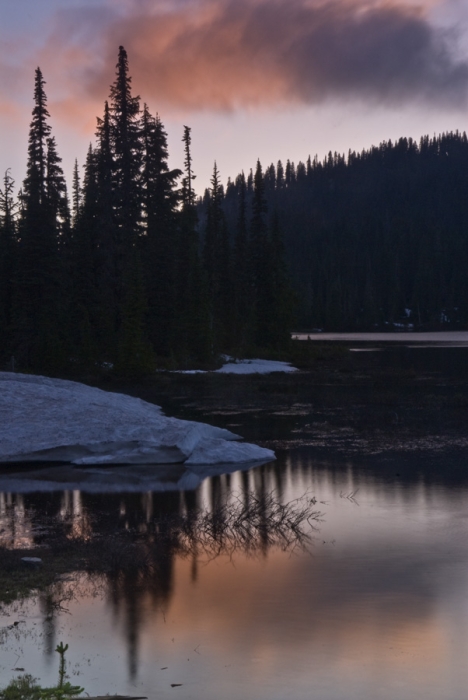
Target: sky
268, 79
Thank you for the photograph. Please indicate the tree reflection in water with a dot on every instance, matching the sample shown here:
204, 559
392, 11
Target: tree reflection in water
128, 544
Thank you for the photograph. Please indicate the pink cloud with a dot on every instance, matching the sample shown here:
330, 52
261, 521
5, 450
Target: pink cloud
225, 54
222, 55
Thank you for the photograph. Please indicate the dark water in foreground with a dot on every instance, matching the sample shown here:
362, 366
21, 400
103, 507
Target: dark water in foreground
376, 608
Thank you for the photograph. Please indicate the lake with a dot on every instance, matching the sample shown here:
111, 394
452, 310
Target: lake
375, 606
368, 601
430, 339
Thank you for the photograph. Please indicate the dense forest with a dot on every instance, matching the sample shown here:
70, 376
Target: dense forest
377, 239
133, 271
122, 274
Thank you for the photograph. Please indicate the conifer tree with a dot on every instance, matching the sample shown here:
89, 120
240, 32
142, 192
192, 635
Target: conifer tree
258, 227
85, 318
188, 193
212, 243
44, 211
217, 263
301, 172
125, 140
76, 193
135, 357
270, 178
159, 195
58, 207
8, 260
250, 182
259, 254
39, 132
242, 285
193, 333
290, 174
279, 175
106, 236
160, 200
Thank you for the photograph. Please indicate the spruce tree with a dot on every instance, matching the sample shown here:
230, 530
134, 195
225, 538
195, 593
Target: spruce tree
212, 243
193, 339
160, 200
44, 217
270, 179
242, 280
259, 254
34, 185
58, 207
107, 237
159, 195
76, 193
8, 261
86, 320
279, 175
126, 146
217, 263
188, 193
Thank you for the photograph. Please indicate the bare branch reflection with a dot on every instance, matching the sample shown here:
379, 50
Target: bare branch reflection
127, 546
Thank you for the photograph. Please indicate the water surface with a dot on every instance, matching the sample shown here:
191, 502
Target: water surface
431, 339
375, 608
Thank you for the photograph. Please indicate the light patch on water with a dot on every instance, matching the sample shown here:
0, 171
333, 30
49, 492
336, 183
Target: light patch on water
441, 338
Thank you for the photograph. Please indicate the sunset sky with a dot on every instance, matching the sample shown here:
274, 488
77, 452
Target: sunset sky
268, 79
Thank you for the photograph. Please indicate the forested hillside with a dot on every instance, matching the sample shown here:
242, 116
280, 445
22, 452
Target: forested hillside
133, 272
377, 238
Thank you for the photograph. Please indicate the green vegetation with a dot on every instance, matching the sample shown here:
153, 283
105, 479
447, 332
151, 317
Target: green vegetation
26, 687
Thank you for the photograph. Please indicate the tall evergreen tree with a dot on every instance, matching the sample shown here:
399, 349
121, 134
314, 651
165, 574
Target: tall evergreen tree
160, 200
188, 193
108, 238
212, 243
259, 254
279, 175
193, 336
40, 130
159, 194
8, 260
44, 210
85, 317
242, 278
76, 192
217, 263
58, 207
126, 145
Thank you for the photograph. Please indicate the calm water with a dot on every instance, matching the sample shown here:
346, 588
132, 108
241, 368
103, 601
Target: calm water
376, 609
430, 339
